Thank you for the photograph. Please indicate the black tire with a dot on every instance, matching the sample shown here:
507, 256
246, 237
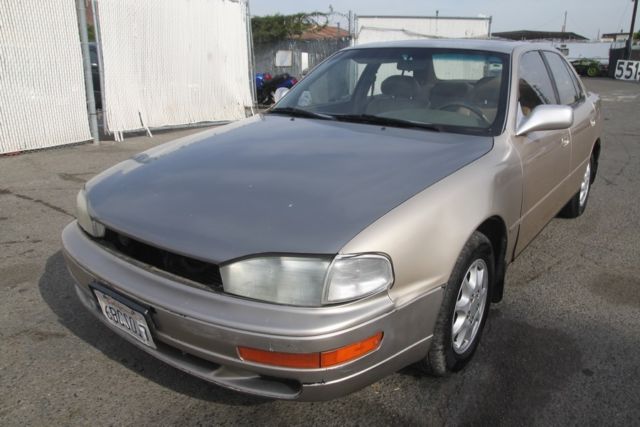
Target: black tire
593, 71
442, 359
574, 208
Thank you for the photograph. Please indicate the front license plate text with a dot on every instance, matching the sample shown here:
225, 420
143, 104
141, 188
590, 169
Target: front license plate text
125, 318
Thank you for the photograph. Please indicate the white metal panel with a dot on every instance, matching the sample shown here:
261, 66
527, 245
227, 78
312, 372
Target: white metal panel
372, 29
591, 50
173, 62
42, 95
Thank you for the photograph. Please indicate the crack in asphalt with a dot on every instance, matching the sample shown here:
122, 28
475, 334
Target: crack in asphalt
74, 177
38, 201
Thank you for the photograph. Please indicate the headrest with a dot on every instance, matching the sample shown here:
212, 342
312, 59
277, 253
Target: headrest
400, 86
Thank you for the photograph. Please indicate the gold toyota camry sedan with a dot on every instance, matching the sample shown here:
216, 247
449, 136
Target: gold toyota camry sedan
362, 224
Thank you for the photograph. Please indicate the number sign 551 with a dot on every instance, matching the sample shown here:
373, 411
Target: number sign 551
628, 70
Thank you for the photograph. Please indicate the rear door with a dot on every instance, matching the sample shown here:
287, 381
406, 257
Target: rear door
546, 155
570, 93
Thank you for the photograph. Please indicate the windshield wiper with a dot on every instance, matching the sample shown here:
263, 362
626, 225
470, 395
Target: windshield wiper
299, 112
386, 121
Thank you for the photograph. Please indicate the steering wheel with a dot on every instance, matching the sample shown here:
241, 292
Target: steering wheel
455, 105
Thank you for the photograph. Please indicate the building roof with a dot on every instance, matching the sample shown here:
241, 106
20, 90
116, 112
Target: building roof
615, 34
539, 35
323, 33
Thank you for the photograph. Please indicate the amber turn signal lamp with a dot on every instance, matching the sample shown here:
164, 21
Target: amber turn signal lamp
312, 360
350, 352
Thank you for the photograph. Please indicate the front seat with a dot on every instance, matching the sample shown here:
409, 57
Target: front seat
445, 93
398, 93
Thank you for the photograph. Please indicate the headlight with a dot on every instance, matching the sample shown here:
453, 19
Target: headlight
307, 281
354, 276
84, 219
285, 280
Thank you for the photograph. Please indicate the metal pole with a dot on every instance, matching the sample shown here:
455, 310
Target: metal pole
356, 30
86, 62
633, 24
98, 36
490, 21
252, 60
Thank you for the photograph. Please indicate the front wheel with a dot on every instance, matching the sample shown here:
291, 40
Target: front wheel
464, 308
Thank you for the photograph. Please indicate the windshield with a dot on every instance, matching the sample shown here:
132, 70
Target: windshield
450, 90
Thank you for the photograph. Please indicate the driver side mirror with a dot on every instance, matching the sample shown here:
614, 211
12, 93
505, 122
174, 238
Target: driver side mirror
546, 117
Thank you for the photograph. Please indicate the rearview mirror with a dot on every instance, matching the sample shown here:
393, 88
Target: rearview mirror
546, 117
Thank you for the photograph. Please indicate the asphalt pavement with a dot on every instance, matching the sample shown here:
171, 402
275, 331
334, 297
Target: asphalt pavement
562, 348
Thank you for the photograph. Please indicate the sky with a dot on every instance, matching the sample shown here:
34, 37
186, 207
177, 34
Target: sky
585, 17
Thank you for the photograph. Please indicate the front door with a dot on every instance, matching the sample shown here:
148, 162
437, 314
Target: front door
545, 155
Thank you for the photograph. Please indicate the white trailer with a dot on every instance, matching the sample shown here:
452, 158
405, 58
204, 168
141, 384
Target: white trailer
371, 29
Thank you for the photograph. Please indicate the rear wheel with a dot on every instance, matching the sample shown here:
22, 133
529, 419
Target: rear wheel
593, 71
464, 308
578, 203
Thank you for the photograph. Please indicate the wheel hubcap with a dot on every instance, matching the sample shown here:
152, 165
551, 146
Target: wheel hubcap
469, 309
584, 187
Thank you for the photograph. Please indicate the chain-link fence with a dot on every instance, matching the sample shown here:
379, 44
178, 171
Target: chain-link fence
158, 63
173, 62
42, 92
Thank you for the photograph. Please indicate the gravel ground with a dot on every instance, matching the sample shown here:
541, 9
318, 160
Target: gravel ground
562, 348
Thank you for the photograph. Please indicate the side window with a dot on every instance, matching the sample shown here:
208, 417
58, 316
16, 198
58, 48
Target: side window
535, 86
566, 87
576, 82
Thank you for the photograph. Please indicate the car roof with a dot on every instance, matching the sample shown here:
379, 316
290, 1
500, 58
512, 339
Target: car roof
502, 46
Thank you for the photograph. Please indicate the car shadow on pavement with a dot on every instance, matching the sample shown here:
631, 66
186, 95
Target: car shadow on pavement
57, 289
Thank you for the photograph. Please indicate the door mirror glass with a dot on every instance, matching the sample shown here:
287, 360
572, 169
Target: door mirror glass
546, 117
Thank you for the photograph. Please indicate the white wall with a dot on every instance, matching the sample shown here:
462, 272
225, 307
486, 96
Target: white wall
591, 50
371, 29
42, 94
173, 62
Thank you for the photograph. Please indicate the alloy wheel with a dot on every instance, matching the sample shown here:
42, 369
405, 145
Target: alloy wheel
470, 306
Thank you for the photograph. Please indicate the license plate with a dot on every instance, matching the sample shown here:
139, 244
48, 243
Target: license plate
125, 318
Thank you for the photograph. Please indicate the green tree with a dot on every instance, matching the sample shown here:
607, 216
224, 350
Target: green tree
281, 27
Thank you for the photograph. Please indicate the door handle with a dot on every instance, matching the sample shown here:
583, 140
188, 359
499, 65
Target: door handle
565, 141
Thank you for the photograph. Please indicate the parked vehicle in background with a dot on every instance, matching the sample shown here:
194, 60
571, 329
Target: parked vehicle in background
266, 85
364, 223
590, 67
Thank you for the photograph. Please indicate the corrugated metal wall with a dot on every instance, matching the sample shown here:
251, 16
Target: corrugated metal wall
42, 94
173, 62
387, 28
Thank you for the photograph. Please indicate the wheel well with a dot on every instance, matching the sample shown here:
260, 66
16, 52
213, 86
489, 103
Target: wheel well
496, 231
596, 150
596, 155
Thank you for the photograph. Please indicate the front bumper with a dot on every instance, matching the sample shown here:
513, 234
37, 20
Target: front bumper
198, 331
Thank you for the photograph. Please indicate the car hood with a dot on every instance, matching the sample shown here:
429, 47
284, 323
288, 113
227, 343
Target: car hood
273, 184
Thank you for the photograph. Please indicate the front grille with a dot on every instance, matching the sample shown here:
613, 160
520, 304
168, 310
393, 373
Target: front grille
201, 272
